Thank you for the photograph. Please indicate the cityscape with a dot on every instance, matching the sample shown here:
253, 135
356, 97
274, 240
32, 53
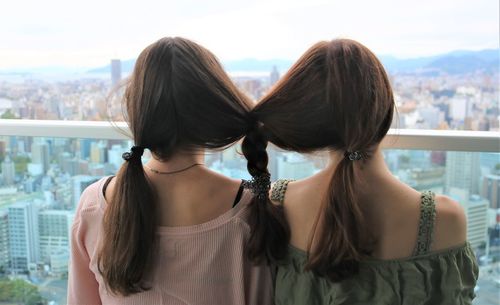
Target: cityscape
41, 179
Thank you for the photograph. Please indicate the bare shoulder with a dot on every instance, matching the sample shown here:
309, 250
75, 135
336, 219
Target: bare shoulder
451, 224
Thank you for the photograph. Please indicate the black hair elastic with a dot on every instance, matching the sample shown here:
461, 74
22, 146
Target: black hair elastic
135, 152
260, 185
353, 155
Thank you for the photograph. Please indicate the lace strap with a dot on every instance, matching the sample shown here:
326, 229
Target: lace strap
279, 189
426, 224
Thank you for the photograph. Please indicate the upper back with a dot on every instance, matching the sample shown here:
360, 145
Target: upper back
403, 222
197, 197
204, 263
423, 261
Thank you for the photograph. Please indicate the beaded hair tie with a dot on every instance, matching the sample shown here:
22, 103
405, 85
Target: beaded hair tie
259, 185
353, 155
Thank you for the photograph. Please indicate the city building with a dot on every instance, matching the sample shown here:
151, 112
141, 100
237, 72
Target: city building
98, 152
116, 71
23, 236
462, 171
59, 262
274, 76
115, 156
4, 241
8, 171
476, 212
40, 155
427, 179
491, 190
54, 227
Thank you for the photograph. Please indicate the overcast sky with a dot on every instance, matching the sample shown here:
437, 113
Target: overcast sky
35, 33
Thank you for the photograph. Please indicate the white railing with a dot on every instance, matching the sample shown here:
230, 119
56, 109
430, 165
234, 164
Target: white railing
441, 140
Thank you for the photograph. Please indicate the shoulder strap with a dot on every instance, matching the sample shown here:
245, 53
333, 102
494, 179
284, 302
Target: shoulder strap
240, 192
426, 224
279, 189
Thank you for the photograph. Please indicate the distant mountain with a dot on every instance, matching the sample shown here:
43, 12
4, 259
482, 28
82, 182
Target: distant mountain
463, 62
43, 70
127, 67
456, 62
248, 64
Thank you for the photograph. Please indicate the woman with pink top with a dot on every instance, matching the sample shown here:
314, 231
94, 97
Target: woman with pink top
171, 231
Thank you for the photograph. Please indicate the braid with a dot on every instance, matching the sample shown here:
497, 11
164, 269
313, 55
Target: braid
270, 232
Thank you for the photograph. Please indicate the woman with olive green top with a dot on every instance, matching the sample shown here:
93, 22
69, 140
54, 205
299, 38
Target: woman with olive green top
358, 235
427, 277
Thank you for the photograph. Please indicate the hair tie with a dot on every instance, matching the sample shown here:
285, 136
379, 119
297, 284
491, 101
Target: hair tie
260, 185
353, 155
134, 153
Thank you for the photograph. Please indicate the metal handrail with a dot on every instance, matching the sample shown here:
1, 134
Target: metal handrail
440, 140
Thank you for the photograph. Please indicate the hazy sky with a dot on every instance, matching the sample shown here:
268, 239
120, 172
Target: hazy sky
36, 33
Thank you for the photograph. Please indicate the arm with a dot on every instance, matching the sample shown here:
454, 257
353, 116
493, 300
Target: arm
82, 284
83, 288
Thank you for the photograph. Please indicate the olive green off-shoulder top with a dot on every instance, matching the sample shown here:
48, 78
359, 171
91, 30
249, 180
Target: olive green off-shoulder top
426, 278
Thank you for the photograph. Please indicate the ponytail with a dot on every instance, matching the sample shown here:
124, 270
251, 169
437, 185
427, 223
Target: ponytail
338, 248
270, 232
129, 226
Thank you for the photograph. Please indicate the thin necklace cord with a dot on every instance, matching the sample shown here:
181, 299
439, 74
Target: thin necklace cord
172, 172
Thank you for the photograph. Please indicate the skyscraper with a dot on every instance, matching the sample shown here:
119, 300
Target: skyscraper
476, 212
4, 240
462, 171
40, 154
98, 152
8, 171
491, 190
23, 235
116, 71
274, 77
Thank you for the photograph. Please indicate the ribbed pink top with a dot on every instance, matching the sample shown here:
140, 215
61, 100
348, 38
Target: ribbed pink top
197, 265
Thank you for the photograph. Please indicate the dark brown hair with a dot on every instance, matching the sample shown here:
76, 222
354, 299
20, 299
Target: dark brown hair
178, 98
336, 96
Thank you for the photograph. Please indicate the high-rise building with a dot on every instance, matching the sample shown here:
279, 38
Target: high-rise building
54, 227
462, 171
3, 149
4, 240
477, 220
274, 76
115, 156
98, 152
491, 190
8, 171
476, 212
23, 236
116, 71
40, 154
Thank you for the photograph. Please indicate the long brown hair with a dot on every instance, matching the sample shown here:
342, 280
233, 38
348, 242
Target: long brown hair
337, 96
178, 98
